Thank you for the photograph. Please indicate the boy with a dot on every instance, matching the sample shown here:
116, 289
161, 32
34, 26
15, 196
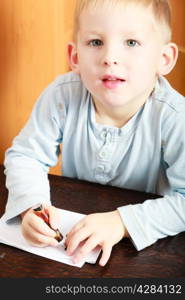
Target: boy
120, 123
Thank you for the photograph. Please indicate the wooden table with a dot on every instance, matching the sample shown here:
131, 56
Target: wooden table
164, 259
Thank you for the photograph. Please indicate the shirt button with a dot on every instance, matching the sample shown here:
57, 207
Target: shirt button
103, 134
103, 154
100, 168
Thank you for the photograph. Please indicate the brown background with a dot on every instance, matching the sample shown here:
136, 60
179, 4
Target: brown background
33, 39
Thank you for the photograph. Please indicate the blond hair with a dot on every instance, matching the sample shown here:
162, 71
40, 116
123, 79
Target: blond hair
161, 10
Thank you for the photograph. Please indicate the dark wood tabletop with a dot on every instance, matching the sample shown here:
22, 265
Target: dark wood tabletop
164, 259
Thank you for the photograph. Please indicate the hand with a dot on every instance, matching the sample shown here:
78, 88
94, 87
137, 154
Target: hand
36, 231
103, 229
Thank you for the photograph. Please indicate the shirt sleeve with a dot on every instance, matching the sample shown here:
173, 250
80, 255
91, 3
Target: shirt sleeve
33, 151
158, 218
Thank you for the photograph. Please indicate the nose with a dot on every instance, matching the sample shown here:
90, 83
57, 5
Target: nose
109, 62
110, 57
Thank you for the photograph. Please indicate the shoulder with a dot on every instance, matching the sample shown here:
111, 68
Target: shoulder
169, 105
62, 91
167, 97
69, 82
63, 94
68, 78
69, 89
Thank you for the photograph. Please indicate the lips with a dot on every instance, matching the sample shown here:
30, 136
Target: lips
112, 78
111, 81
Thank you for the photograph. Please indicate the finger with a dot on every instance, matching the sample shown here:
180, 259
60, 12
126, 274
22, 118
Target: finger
37, 239
73, 242
38, 225
87, 247
54, 216
76, 227
73, 231
43, 241
106, 252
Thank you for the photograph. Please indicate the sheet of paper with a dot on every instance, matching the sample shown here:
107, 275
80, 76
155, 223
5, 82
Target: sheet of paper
11, 234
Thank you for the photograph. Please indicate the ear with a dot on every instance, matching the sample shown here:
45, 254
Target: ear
73, 57
168, 60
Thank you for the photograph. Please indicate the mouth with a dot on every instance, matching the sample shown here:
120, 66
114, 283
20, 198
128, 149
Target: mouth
111, 81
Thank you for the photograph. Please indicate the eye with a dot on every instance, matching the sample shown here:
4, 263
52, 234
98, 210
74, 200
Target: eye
95, 43
131, 43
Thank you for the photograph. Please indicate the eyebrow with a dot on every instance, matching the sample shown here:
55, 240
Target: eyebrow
129, 34
93, 32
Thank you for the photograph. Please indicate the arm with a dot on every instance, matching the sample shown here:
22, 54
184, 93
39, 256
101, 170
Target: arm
156, 219
34, 150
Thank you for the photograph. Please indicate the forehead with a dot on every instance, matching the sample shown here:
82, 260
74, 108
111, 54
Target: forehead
116, 17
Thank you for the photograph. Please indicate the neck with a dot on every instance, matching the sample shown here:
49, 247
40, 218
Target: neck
113, 117
119, 116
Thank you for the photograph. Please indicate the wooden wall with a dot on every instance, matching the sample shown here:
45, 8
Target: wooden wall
33, 38
177, 76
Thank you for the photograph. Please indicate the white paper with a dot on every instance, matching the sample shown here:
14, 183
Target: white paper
11, 234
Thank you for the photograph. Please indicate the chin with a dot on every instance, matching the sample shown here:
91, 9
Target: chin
114, 103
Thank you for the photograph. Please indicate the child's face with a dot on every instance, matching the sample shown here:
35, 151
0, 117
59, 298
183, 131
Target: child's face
118, 53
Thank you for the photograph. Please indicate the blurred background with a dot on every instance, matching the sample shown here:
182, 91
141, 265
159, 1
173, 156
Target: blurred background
33, 39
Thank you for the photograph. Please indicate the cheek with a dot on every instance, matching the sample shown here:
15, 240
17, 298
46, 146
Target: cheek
88, 68
146, 65
85, 63
86, 77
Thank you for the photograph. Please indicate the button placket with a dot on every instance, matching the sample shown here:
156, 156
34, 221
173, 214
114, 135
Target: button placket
108, 138
104, 152
103, 157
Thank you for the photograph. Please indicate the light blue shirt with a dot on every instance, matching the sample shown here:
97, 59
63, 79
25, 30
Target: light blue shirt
147, 154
